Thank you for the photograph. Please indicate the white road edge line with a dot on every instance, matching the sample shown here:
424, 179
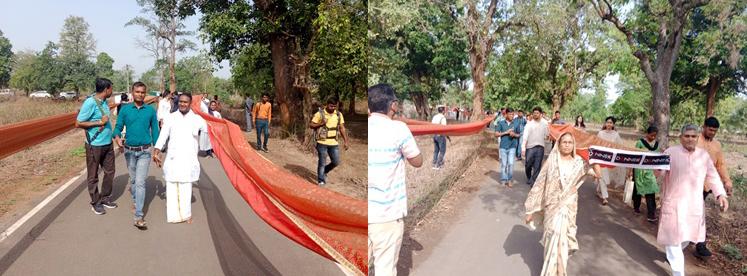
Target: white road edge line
344, 270
38, 207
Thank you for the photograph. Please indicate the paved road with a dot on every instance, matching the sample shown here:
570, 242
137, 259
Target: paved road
490, 238
226, 238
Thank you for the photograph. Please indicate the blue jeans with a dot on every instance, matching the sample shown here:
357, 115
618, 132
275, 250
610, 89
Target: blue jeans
439, 150
138, 163
518, 149
263, 127
321, 167
507, 163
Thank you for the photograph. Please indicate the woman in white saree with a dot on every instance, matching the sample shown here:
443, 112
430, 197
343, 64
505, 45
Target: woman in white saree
555, 195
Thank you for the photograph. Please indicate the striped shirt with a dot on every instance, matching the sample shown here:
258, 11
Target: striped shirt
389, 144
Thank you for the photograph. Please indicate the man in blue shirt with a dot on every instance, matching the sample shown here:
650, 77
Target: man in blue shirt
142, 132
93, 117
509, 134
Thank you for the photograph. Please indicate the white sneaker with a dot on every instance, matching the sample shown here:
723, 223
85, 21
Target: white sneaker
436, 168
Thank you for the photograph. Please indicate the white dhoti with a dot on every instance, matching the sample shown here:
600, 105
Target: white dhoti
178, 201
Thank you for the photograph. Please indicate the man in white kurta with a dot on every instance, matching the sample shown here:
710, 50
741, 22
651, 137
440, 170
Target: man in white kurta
181, 167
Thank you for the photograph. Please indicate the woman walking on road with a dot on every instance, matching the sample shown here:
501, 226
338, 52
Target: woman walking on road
555, 194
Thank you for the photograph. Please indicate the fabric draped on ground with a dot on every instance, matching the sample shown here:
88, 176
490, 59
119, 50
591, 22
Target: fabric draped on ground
333, 225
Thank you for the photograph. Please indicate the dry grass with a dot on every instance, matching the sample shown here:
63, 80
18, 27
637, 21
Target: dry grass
19, 109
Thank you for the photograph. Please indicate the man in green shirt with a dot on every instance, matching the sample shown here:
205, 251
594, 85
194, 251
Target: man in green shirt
142, 132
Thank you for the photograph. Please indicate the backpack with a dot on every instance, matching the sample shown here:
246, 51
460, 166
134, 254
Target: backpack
322, 133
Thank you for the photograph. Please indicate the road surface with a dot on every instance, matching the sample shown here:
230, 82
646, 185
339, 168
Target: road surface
488, 237
226, 238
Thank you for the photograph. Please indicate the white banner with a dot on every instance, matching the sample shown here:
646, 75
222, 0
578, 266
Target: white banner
628, 159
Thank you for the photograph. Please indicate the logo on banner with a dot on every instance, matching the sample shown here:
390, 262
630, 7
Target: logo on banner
623, 158
600, 155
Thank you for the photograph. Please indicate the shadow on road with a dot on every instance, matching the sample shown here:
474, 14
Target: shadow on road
409, 246
531, 252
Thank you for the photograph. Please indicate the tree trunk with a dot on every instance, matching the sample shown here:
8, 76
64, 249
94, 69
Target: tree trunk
660, 100
557, 101
172, 73
477, 60
714, 83
351, 106
288, 99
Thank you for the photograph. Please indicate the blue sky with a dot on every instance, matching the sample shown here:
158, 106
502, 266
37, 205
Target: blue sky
29, 24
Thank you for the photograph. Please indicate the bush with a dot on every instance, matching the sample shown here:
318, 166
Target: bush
732, 252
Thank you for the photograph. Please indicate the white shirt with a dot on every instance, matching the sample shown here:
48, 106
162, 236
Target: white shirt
389, 144
534, 134
182, 131
204, 105
439, 119
164, 108
216, 114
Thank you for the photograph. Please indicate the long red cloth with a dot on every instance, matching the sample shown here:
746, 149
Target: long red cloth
425, 128
333, 225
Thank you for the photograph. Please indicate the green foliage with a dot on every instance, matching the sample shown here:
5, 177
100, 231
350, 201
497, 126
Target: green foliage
6, 60
591, 106
79, 152
338, 60
732, 252
24, 77
104, 66
419, 52
76, 48
194, 73
251, 70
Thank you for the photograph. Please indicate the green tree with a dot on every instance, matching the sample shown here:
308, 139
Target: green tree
169, 28
422, 58
77, 46
251, 70
194, 73
6, 60
654, 32
104, 65
24, 74
51, 71
712, 66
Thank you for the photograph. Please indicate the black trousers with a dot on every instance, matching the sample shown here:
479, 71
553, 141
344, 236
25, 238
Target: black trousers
100, 157
533, 162
650, 203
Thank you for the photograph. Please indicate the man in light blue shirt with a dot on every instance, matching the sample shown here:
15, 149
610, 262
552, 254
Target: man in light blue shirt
93, 117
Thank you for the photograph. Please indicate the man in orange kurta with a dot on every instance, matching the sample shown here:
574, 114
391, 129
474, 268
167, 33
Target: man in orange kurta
682, 208
708, 142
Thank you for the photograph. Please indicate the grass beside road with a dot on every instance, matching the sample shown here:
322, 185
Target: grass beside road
19, 109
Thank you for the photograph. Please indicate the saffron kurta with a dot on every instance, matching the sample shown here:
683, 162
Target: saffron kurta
555, 194
682, 205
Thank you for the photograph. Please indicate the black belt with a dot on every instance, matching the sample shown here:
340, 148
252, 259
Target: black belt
138, 148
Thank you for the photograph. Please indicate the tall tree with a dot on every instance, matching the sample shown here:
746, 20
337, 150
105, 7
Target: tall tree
104, 65
6, 60
654, 33
170, 29
251, 70
483, 26
153, 42
24, 76
712, 66
284, 25
77, 46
